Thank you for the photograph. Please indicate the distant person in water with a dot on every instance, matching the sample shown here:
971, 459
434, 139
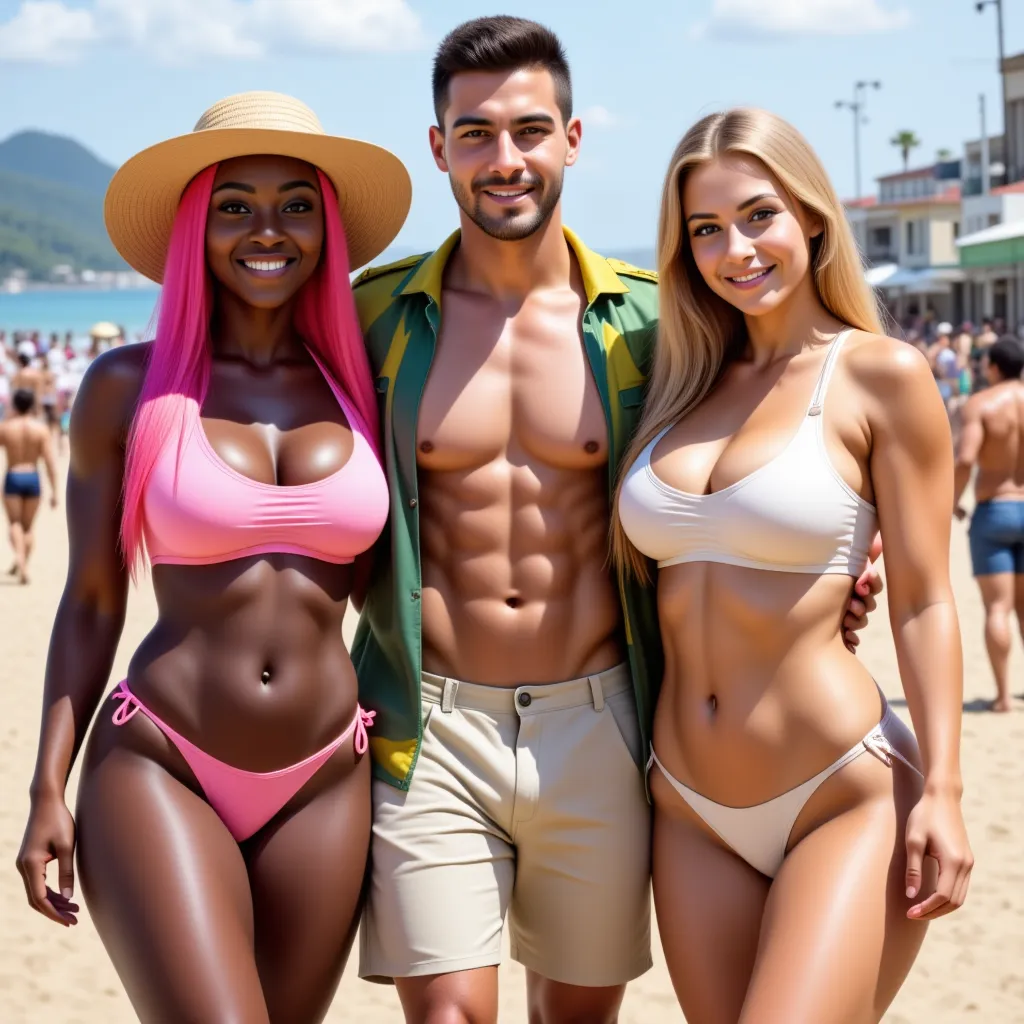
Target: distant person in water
992, 438
25, 442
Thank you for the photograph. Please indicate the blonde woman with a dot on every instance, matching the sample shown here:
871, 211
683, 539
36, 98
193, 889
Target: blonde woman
802, 838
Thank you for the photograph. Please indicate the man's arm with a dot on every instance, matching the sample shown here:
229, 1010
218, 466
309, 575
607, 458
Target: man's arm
50, 462
972, 436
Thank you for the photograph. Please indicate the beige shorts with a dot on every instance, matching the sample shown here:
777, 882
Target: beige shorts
528, 800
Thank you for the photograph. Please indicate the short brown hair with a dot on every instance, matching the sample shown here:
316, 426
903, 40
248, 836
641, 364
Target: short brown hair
500, 43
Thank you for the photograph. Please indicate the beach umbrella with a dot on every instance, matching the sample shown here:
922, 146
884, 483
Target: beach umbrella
105, 331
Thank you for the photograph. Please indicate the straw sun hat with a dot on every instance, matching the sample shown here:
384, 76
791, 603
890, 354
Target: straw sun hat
374, 191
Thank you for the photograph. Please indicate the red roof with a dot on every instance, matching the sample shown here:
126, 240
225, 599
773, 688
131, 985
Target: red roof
918, 172
1002, 190
856, 204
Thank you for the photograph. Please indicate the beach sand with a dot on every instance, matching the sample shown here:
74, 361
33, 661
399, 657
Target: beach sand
971, 968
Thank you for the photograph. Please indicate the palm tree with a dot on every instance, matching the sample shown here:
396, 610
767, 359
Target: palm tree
905, 141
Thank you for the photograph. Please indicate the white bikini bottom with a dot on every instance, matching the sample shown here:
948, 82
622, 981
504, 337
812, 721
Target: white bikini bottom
760, 834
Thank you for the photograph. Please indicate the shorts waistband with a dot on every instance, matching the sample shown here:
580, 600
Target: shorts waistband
530, 698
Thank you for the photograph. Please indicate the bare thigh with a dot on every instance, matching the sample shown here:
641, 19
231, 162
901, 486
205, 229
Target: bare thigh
461, 997
997, 589
29, 508
12, 508
306, 871
836, 944
167, 888
709, 904
554, 1002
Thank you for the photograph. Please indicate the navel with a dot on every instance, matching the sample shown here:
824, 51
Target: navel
712, 703
514, 602
265, 677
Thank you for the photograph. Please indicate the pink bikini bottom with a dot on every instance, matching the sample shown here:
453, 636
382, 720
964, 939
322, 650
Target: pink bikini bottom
245, 801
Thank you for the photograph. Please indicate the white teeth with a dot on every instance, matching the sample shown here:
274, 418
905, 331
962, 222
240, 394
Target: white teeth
751, 277
265, 264
501, 192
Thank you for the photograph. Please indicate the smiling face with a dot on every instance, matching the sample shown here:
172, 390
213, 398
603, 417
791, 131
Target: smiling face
265, 228
750, 240
505, 149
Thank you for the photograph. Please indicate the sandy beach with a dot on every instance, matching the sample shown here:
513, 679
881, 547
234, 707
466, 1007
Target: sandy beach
971, 969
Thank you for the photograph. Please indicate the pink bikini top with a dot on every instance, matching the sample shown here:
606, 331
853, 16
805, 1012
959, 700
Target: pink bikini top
198, 510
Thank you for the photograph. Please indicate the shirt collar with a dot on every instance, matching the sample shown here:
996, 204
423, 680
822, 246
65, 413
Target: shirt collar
598, 277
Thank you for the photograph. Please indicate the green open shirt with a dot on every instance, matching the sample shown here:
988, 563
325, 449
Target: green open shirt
400, 313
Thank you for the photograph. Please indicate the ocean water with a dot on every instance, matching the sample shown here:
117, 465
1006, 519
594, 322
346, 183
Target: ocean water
77, 310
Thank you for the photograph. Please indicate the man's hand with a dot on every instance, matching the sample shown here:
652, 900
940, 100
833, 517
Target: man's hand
862, 602
960, 513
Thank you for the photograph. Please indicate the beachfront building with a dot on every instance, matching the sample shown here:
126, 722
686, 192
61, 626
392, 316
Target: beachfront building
908, 235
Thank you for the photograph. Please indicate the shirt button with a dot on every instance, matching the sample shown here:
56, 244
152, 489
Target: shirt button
413, 503
415, 595
525, 700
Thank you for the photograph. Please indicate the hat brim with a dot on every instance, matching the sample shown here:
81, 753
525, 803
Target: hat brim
373, 186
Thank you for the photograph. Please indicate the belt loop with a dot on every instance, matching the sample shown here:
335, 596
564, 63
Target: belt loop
597, 692
451, 687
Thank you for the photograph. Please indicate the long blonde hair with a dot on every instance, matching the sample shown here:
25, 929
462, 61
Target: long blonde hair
699, 333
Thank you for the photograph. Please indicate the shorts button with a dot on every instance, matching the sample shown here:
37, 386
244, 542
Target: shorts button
525, 700
415, 595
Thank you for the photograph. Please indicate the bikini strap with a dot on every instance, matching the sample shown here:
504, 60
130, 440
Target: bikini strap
364, 719
818, 398
129, 705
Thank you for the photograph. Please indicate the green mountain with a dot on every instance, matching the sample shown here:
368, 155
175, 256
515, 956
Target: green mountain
51, 206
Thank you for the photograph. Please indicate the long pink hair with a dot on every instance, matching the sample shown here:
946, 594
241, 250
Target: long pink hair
178, 368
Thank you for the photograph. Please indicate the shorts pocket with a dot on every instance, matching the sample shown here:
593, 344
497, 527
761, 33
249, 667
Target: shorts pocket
622, 708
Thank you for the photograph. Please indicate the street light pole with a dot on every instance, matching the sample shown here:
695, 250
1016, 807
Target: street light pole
1009, 143
856, 107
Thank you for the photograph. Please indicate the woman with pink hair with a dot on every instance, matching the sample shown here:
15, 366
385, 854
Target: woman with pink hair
222, 833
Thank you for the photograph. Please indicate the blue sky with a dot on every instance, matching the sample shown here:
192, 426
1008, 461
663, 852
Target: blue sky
119, 75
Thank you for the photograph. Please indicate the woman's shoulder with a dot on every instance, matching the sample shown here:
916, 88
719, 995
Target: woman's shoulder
885, 365
110, 389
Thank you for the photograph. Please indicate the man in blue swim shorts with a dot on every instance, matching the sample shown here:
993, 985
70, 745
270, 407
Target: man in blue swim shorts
992, 438
25, 441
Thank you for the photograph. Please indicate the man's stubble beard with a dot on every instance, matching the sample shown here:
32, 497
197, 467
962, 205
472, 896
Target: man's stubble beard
508, 229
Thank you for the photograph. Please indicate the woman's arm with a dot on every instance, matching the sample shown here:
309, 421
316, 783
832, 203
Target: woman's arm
89, 618
911, 466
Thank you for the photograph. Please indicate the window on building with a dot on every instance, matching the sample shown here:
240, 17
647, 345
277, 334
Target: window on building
911, 238
993, 219
956, 229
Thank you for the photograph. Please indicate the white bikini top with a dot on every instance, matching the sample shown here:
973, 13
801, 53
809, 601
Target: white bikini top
794, 514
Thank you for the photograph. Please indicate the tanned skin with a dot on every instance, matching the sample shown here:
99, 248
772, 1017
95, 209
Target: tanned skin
513, 458
246, 660
759, 693
992, 438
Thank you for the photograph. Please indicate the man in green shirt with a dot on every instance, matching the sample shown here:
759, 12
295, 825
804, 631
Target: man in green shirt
514, 680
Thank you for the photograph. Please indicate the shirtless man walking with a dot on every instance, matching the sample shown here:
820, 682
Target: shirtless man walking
25, 442
514, 681
992, 437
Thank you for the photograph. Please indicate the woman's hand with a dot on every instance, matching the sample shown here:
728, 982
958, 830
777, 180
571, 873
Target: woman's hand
936, 829
49, 835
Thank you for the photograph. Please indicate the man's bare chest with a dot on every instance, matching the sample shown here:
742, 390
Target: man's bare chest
522, 390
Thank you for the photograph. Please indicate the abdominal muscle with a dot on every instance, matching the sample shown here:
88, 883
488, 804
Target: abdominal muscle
516, 587
760, 693
219, 628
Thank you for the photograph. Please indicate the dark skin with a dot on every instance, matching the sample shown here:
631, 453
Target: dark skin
246, 660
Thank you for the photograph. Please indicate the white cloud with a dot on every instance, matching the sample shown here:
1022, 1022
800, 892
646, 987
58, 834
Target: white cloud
180, 31
754, 19
599, 117
46, 32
